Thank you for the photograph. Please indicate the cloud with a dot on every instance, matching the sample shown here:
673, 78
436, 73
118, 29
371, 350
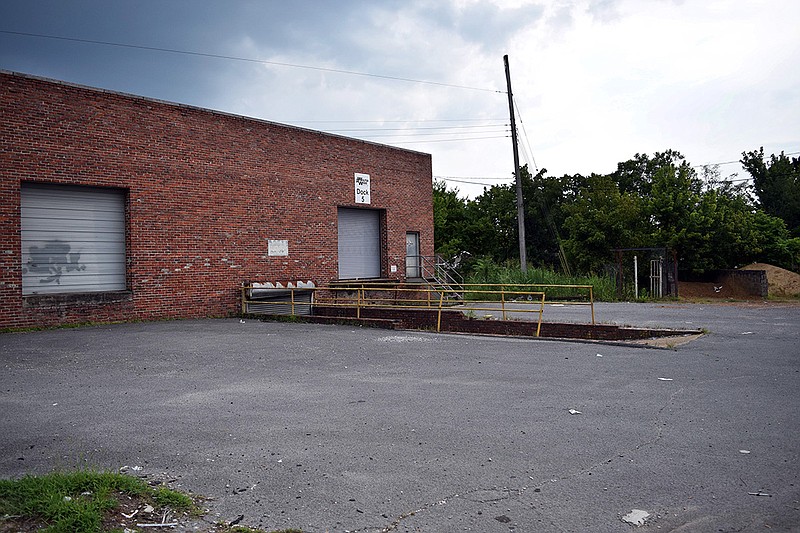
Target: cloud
595, 81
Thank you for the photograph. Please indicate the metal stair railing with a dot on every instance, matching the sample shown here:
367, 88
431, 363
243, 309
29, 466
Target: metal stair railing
439, 274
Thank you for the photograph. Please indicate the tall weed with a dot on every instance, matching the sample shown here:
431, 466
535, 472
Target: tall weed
485, 273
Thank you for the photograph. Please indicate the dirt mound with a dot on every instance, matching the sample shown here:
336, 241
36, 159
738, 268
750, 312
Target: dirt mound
781, 282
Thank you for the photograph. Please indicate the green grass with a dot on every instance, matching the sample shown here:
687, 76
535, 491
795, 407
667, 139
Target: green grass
77, 502
488, 272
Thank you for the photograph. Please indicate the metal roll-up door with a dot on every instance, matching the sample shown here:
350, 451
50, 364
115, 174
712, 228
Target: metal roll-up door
73, 239
359, 243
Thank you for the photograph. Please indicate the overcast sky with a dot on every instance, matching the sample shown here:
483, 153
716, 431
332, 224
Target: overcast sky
595, 81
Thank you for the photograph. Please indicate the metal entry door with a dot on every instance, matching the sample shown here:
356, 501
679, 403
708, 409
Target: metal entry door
412, 255
359, 243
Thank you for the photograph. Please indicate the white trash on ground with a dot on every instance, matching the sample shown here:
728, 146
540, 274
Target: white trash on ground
637, 517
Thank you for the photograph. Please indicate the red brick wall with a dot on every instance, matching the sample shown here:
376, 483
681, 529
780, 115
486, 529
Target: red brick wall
205, 193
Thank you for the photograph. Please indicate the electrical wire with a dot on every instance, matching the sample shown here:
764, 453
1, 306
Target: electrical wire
453, 140
425, 134
391, 121
525, 133
733, 162
455, 178
249, 60
506, 126
468, 182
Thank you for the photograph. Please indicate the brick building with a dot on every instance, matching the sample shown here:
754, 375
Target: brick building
118, 207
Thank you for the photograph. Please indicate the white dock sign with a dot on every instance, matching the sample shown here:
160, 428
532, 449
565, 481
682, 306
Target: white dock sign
362, 188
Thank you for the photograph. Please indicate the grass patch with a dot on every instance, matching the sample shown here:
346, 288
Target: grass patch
489, 272
80, 502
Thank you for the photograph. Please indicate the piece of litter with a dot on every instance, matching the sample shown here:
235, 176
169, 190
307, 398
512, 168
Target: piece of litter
664, 379
131, 515
136, 468
574, 412
148, 509
744, 451
168, 524
241, 321
557, 305
67, 498
55, 404
637, 517
760, 493
747, 333
599, 355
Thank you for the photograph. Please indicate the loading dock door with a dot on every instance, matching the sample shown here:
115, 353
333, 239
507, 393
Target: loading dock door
73, 239
359, 243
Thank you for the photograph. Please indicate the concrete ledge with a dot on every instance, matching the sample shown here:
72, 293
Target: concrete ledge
456, 322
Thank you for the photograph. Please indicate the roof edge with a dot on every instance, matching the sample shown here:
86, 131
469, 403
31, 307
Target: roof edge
199, 108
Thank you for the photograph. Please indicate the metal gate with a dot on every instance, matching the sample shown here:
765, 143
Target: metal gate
657, 278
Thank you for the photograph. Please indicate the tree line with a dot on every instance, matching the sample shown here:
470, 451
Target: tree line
574, 222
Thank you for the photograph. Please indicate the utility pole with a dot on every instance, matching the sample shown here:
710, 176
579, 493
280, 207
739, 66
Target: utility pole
523, 259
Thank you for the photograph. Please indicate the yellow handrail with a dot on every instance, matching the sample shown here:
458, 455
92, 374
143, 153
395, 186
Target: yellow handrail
367, 296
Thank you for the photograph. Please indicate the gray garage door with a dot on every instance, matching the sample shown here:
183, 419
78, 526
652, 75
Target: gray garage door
73, 239
359, 243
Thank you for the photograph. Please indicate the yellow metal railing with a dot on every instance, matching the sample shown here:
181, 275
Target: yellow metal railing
512, 298
366, 296
580, 291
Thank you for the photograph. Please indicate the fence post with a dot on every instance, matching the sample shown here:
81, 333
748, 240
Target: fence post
439, 319
541, 311
591, 301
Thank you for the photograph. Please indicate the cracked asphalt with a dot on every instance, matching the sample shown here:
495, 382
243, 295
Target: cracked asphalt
337, 428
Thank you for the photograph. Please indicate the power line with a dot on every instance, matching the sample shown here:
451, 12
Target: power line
455, 178
733, 162
249, 60
423, 134
453, 140
423, 128
525, 134
411, 121
466, 181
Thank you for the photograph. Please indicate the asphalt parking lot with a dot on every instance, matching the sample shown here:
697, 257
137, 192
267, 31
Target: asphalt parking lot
338, 428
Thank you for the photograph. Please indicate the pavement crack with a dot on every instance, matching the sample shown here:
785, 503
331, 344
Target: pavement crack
484, 495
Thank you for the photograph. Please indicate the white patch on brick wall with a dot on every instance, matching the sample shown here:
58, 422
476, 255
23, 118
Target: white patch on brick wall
278, 248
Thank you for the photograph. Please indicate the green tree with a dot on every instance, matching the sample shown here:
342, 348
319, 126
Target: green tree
636, 175
649, 201
600, 219
544, 201
449, 220
673, 212
492, 228
777, 184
